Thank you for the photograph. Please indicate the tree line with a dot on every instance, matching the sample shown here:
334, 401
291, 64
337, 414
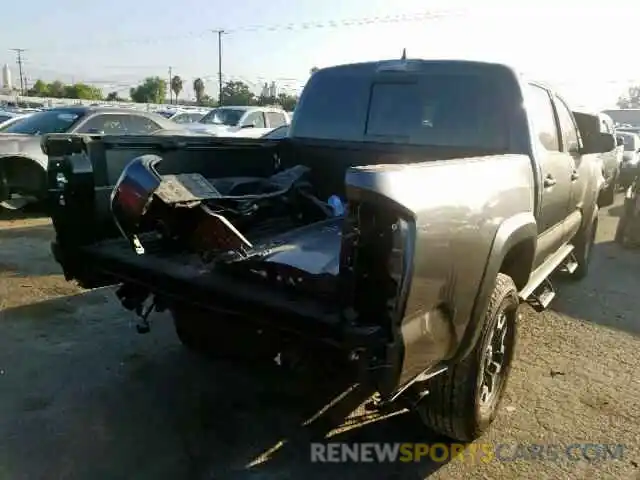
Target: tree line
155, 90
58, 89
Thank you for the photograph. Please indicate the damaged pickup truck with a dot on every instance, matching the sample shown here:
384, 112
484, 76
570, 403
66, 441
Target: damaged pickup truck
411, 209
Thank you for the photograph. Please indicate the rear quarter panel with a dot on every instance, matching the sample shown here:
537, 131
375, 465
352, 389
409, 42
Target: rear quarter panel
458, 206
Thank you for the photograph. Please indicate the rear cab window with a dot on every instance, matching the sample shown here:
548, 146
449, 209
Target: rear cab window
570, 136
543, 118
434, 105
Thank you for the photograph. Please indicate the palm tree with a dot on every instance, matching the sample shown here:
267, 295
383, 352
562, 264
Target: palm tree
198, 88
176, 86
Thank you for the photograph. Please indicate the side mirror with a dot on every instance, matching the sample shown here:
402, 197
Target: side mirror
599, 143
619, 142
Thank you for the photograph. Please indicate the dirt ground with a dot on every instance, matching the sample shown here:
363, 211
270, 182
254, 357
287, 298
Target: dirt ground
85, 397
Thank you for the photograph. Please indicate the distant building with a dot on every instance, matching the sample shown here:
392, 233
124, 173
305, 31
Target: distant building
265, 90
7, 86
273, 90
6, 77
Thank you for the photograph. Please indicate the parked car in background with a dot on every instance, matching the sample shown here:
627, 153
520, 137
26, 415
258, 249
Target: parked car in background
609, 126
187, 117
182, 116
23, 165
277, 133
4, 116
609, 161
630, 158
628, 129
241, 121
13, 119
627, 116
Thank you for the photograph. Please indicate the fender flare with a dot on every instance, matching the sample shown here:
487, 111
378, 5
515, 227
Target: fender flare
511, 231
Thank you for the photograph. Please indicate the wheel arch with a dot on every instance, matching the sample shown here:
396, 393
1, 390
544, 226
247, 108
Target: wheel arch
512, 253
23, 174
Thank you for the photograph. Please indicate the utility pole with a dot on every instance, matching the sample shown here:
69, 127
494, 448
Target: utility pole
220, 33
19, 52
170, 91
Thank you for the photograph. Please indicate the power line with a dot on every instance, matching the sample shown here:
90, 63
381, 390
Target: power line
309, 25
19, 52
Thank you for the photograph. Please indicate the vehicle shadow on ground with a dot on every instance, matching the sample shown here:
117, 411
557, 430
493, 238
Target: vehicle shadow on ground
91, 399
295, 455
609, 302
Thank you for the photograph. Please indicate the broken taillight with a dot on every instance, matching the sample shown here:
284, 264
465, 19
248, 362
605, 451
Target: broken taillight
132, 195
375, 263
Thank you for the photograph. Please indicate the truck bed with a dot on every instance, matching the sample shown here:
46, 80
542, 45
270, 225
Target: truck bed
185, 278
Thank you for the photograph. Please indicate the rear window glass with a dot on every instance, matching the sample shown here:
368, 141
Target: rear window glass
456, 110
442, 110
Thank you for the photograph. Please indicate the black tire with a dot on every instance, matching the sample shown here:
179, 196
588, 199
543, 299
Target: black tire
217, 337
456, 405
608, 195
628, 208
583, 243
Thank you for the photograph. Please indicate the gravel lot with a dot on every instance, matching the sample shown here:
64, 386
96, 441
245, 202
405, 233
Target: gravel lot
83, 396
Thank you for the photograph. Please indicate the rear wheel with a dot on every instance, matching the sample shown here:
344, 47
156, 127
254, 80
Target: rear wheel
218, 337
463, 402
583, 243
607, 196
627, 220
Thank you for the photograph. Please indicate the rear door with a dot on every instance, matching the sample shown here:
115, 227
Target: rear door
580, 168
557, 165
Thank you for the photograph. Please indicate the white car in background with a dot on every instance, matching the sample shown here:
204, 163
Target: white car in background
631, 158
182, 117
241, 121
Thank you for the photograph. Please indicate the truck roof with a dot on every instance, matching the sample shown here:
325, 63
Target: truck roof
395, 100
412, 64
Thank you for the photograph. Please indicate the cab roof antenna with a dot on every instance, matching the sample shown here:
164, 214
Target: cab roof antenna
404, 54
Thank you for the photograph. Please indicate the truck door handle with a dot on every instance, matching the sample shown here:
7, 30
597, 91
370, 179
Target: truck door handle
549, 181
574, 176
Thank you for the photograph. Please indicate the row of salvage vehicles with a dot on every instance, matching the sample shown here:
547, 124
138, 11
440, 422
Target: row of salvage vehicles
399, 238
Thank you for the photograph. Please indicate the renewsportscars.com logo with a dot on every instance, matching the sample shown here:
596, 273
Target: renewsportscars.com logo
472, 453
